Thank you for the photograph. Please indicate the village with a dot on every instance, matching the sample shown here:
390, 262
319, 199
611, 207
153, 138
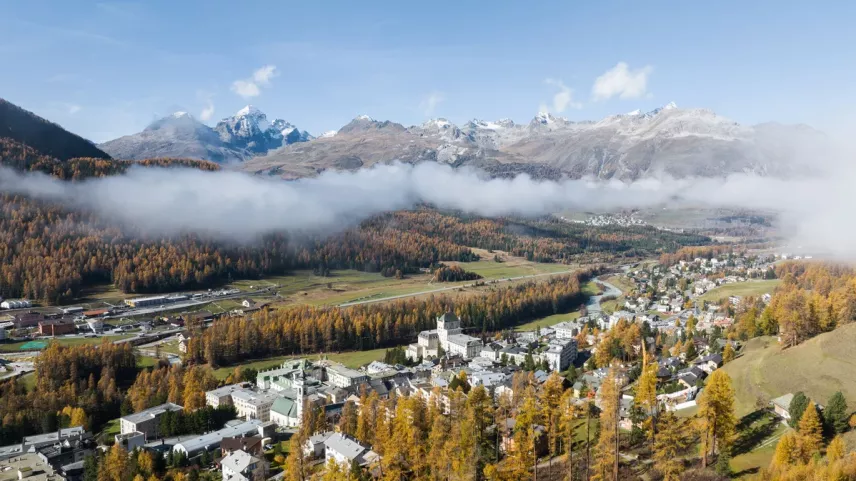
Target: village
671, 321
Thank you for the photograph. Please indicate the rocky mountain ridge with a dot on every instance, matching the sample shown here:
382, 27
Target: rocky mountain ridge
666, 140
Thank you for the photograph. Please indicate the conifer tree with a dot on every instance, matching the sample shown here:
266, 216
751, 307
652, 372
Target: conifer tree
728, 353
787, 452
606, 465
646, 397
835, 414
716, 413
836, 449
811, 431
672, 442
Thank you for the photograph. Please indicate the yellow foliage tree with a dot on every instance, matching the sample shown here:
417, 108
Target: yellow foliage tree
836, 449
787, 453
672, 442
811, 431
716, 413
728, 353
606, 461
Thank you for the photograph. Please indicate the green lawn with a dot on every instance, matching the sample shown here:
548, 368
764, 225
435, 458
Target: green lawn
111, 429
145, 361
352, 359
590, 288
170, 347
548, 321
490, 269
63, 341
622, 282
758, 434
742, 289
28, 380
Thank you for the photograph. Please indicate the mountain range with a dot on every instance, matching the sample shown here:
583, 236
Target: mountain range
670, 140
234, 139
679, 142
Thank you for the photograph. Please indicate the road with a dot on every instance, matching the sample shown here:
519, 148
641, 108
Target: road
458, 286
593, 304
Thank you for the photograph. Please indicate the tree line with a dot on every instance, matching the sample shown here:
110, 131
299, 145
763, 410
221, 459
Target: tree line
813, 297
308, 329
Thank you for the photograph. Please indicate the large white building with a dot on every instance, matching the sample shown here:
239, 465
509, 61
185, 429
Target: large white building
449, 337
567, 329
344, 377
253, 405
146, 421
561, 353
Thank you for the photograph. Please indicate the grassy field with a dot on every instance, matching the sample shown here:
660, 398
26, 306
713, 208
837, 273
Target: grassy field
819, 367
28, 380
510, 267
548, 321
64, 341
742, 289
352, 359
758, 434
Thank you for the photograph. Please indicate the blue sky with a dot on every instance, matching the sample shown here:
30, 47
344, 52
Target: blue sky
105, 69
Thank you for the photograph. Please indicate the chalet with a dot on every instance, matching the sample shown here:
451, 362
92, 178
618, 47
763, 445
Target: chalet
710, 363
184, 340
252, 445
691, 376
782, 405
240, 466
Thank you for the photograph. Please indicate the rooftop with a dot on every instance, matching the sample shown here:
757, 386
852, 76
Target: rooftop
253, 397
239, 461
54, 436
346, 446
194, 443
344, 371
151, 413
39, 470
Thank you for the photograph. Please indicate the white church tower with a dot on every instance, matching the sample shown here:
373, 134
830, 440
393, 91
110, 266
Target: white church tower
447, 325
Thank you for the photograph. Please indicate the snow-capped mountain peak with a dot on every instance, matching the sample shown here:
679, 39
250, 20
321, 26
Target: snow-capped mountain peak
546, 118
364, 117
670, 106
250, 129
327, 134
634, 112
180, 114
439, 123
248, 111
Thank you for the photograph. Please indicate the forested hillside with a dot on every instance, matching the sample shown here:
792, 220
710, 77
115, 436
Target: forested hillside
46, 137
50, 252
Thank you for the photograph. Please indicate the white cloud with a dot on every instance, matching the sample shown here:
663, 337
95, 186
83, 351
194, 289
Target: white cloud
73, 108
264, 74
207, 112
430, 102
251, 87
245, 88
623, 82
564, 98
